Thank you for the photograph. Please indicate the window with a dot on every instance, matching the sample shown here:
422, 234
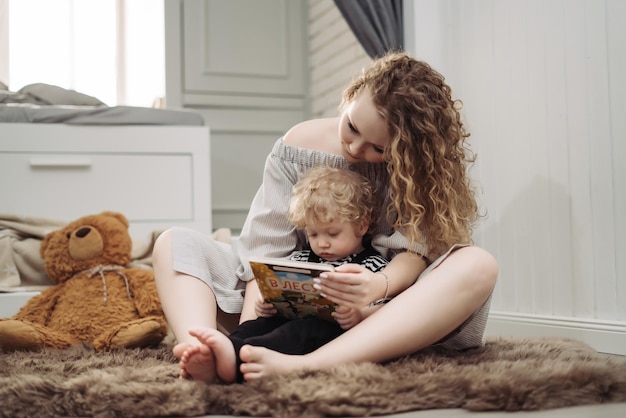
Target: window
110, 49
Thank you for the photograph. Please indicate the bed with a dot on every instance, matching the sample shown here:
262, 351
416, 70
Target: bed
64, 155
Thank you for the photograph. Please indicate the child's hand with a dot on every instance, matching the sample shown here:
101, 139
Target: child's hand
263, 309
347, 317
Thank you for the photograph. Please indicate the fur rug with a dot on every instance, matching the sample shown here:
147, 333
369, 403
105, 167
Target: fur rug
507, 374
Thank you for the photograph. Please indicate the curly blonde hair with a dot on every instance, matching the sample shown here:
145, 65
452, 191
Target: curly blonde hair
327, 194
428, 157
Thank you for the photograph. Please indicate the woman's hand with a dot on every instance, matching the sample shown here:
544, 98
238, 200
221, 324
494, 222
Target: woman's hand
347, 317
350, 285
263, 309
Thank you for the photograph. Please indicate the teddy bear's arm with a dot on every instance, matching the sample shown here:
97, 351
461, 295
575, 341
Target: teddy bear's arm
144, 291
38, 308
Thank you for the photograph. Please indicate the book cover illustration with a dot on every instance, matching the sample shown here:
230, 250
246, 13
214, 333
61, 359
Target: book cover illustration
288, 285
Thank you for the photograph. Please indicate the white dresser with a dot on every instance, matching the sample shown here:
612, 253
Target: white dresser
157, 176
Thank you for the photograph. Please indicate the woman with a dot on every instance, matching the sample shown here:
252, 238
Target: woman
399, 127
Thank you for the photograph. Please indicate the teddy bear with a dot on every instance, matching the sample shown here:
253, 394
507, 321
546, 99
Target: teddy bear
96, 299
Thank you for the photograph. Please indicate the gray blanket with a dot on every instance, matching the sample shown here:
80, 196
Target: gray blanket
97, 115
44, 103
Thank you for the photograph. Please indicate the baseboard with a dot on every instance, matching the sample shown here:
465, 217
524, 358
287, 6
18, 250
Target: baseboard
604, 336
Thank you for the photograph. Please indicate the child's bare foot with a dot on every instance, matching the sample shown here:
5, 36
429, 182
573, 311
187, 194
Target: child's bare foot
223, 350
179, 349
198, 363
259, 362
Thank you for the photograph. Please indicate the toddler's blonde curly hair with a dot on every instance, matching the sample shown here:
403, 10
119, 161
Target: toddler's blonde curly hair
327, 194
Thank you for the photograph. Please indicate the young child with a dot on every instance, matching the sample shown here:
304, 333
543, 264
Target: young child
335, 208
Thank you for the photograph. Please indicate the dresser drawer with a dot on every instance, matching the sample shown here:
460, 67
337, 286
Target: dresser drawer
70, 185
157, 176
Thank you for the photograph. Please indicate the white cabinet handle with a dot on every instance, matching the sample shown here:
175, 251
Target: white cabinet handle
60, 162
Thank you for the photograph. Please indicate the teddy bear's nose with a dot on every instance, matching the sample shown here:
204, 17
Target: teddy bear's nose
86, 243
82, 232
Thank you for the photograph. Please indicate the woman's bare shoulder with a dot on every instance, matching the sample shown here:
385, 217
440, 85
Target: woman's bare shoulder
313, 134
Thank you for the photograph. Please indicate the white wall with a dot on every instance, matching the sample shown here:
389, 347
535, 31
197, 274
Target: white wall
4, 40
545, 96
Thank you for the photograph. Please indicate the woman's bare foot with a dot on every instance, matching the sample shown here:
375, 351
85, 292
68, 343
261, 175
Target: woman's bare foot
259, 362
223, 350
198, 363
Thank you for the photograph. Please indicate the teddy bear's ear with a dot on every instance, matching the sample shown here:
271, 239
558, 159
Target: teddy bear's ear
118, 216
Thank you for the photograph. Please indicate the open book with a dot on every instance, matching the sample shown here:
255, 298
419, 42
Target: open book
288, 285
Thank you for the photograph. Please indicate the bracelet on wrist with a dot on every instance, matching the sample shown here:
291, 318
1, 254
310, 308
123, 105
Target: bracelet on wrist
386, 298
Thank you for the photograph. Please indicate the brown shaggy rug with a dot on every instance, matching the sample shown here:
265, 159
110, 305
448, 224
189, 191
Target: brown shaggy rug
507, 374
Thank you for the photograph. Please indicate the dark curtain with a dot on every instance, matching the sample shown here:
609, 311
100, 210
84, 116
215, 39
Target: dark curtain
377, 24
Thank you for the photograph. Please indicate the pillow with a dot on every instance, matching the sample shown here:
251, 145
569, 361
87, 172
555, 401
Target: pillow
56, 95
